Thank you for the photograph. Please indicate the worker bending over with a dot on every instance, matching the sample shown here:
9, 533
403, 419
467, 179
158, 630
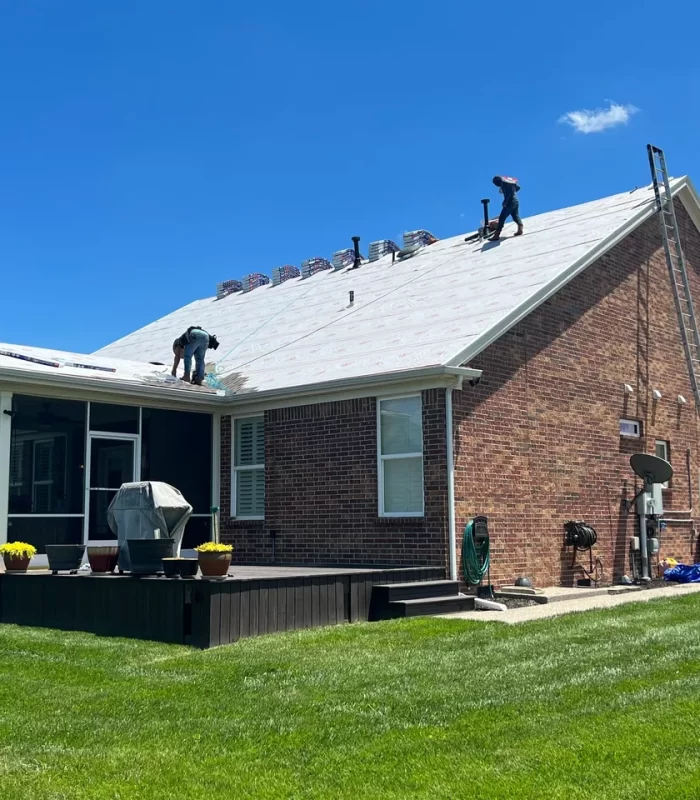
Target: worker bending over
508, 188
193, 343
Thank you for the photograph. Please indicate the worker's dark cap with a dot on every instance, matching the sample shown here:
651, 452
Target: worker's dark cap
497, 180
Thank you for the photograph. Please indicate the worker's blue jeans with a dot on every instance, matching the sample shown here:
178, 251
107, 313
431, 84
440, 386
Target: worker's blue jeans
510, 210
197, 347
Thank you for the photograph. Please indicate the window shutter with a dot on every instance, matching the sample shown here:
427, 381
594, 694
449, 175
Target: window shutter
250, 493
250, 442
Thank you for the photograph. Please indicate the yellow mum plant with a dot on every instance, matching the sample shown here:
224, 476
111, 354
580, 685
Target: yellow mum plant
214, 547
17, 550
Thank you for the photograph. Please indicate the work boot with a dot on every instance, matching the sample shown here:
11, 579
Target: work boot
186, 377
519, 232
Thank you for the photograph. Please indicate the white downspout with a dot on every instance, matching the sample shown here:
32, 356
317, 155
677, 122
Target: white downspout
450, 486
5, 436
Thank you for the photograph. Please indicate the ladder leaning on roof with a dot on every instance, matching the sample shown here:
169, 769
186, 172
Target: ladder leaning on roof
676, 265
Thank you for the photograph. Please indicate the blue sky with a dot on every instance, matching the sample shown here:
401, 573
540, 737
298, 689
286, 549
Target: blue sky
151, 149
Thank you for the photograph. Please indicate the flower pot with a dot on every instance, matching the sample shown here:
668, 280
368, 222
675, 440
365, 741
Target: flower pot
146, 555
214, 565
180, 567
15, 563
65, 557
103, 559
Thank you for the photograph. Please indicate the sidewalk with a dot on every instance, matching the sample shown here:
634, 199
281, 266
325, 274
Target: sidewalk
529, 613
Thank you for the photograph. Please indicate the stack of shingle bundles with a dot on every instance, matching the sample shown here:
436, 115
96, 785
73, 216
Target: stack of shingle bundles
254, 280
343, 258
313, 265
226, 288
381, 248
418, 237
282, 274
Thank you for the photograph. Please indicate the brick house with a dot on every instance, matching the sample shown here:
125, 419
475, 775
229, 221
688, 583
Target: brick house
365, 415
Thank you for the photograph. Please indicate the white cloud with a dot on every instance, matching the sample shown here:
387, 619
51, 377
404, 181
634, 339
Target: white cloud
585, 121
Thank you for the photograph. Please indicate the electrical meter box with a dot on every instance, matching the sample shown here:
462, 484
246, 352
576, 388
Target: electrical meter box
650, 504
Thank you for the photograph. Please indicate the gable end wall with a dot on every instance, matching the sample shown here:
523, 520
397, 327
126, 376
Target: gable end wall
537, 442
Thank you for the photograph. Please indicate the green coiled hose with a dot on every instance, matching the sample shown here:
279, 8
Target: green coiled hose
475, 558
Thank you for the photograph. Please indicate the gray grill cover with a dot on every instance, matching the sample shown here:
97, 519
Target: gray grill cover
139, 509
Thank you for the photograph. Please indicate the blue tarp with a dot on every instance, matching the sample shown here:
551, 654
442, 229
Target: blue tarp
683, 573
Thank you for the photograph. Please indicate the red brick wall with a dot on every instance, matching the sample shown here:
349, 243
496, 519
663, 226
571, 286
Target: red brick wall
537, 441
321, 490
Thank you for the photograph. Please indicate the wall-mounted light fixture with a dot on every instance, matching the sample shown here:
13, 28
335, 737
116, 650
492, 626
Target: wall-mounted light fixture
656, 394
681, 400
628, 389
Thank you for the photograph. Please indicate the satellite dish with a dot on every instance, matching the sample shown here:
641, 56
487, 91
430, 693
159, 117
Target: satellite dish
651, 468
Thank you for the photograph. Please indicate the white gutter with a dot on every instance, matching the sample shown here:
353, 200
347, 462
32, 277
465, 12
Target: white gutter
452, 526
442, 375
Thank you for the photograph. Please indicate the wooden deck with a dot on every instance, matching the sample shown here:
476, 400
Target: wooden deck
202, 613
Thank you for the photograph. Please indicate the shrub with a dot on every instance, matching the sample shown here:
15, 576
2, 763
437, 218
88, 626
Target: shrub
214, 547
17, 550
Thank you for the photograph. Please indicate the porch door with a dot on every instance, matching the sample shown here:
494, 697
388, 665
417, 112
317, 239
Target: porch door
111, 462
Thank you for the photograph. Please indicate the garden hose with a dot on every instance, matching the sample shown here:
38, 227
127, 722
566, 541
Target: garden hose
475, 557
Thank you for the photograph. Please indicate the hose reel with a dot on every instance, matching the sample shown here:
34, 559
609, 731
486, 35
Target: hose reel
476, 555
582, 538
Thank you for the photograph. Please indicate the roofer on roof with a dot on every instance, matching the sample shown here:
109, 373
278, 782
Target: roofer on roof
195, 341
508, 188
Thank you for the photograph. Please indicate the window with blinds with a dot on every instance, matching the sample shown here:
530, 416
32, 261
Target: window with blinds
400, 450
249, 468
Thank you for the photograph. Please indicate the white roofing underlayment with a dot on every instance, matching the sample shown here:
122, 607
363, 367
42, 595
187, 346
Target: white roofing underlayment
440, 307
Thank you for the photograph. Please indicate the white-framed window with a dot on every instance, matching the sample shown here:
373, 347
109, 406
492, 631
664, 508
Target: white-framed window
248, 479
662, 450
630, 428
400, 456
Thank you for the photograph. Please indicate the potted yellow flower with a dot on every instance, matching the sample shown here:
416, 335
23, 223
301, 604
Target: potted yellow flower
17, 555
214, 559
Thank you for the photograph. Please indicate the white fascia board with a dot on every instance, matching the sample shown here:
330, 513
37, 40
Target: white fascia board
479, 344
408, 382
46, 384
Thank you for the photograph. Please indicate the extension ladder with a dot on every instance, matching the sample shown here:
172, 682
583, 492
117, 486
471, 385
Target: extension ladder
676, 265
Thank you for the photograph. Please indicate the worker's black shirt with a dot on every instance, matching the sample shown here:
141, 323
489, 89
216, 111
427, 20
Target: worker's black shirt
509, 186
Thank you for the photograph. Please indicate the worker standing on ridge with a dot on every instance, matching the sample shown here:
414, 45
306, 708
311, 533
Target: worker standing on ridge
508, 188
194, 342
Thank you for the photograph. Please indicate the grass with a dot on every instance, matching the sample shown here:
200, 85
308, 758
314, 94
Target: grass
599, 705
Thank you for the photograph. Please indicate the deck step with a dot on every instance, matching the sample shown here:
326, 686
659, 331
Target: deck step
425, 606
389, 592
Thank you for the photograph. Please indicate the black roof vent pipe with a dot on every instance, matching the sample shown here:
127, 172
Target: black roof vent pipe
358, 257
485, 203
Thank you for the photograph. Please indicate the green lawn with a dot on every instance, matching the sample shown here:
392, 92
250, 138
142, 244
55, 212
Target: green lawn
601, 705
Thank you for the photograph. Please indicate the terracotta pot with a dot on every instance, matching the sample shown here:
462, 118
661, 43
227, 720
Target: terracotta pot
65, 557
180, 567
15, 564
103, 559
214, 565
